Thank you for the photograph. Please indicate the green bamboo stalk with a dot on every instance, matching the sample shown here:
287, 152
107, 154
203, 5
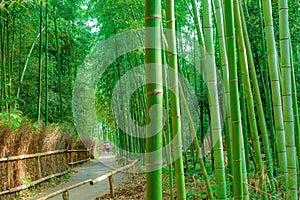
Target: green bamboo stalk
196, 143
46, 65
174, 99
40, 64
58, 60
245, 174
235, 103
296, 111
167, 134
154, 93
267, 92
211, 82
197, 23
259, 106
11, 65
244, 123
275, 90
248, 92
225, 76
287, 98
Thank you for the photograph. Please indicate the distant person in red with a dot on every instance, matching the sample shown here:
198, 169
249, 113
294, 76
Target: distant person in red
104, 147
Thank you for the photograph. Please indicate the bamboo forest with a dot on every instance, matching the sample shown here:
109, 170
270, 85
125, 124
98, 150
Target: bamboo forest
150, 99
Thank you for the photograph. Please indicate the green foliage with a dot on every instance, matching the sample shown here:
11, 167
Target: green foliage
13, 119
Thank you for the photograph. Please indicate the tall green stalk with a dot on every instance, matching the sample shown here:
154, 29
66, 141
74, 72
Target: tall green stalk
197, 145
235, 102
167, 134
248, 92
244, 122
225, 76
287, 98
296, 115
266, 81
259, 107
58, 66
275, 89
46, 65
174, 98
40, 64
245, 175
197, 23
211, 82
154, 92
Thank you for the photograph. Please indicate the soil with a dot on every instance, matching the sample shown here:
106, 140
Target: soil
130, 189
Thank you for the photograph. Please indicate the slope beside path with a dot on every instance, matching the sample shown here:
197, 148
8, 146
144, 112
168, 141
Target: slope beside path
92, 170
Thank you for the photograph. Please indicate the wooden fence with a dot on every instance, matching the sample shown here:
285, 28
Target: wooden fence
39, 164
109, 176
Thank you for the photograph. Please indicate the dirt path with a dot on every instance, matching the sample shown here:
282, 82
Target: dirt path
92, 170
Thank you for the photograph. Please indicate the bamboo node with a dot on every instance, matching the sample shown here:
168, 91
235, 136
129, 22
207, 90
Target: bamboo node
230, 37
149, 164
284, 8
284, 38
155, 92
236, 121
171, 20
176, 117
239, 160
153, 17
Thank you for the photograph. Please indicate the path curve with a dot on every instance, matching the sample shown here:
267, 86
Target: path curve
92, 170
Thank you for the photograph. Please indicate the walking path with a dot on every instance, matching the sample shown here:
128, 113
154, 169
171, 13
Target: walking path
94, 169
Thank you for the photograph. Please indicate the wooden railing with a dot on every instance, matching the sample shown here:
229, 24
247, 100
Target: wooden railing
109, 176
11, 159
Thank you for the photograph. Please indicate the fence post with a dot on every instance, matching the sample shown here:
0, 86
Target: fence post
133, 171
111, 185
8, 175
39, 167
65, 195
71, 158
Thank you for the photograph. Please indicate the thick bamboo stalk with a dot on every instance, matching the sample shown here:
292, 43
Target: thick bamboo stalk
213, 98
225, 76
174, 99
275, 89
287, 98
154, 94
248, 92
259, 106
235, 102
